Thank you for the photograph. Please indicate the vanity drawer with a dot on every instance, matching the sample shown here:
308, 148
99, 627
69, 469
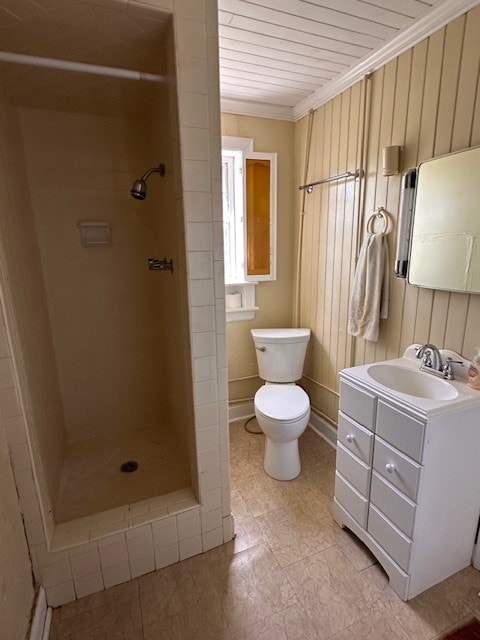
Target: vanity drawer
351, 500
403, 432
355, 438
358, 404
399, 470
391, 539
399, 509
353, 469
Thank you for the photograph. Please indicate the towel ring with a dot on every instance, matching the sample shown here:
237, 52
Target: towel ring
379, 213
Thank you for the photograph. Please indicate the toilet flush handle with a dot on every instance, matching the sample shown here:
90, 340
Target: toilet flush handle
261, 348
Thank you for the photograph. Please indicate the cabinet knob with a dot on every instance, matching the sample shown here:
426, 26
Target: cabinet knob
390, 467
350, 438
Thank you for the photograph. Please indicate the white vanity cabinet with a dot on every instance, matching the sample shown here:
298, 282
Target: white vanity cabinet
407, 482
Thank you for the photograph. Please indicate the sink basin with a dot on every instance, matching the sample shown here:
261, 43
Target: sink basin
412, 382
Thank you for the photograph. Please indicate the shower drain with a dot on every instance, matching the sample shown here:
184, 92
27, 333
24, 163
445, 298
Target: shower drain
129, 467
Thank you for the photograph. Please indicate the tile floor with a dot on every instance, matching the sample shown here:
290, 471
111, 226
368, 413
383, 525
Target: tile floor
92, 480
290, 574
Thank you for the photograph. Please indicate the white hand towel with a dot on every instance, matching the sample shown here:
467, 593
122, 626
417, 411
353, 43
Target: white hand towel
369, 299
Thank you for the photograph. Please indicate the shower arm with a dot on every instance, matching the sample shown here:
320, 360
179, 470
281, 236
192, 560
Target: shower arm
160, 169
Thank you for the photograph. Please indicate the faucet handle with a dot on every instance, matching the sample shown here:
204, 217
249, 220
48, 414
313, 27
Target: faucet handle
425, 353
448, 369
427, 358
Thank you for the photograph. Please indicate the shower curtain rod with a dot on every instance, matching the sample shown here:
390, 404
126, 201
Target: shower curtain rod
347, 174
68, 65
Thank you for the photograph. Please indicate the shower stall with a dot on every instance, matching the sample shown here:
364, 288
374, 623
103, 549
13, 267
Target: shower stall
113, 330
116, 326
95, 286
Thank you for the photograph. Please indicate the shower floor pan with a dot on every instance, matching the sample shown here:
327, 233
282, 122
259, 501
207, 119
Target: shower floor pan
93, 483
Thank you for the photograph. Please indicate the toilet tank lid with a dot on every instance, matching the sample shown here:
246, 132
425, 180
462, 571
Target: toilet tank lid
281, 335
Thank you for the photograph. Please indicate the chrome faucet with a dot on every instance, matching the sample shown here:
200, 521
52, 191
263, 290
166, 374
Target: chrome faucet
431, 359
432, 362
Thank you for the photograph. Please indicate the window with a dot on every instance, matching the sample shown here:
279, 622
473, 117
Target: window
232, 193
249, 223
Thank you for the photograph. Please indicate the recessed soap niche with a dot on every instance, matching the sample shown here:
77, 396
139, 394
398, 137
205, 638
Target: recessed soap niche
95, 234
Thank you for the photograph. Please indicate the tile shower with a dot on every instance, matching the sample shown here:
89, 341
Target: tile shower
106, 308
112, 361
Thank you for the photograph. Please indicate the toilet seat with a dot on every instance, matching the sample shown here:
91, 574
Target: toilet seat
282, 402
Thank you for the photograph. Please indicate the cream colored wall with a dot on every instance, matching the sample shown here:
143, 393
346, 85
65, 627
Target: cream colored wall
106, 327
26, 313
273, 298
428, 101
16, 588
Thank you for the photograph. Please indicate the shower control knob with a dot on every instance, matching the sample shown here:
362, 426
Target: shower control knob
350, 438
390, 467
154, 264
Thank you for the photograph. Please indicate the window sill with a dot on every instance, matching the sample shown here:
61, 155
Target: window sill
240, 301
240, 314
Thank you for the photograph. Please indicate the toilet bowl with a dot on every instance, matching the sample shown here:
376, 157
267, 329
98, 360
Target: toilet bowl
282, 411
282, 408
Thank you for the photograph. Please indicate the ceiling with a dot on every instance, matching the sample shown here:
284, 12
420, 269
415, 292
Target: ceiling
280, 58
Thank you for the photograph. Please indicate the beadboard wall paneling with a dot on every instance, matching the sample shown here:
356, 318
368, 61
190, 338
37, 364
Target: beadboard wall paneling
428, 101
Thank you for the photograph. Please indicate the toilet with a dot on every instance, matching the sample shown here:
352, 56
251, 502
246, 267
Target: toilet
282, 408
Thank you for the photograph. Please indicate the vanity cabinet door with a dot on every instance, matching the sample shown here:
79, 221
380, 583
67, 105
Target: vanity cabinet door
402, 431
358, 404
397, 507
351, 500
355, 438
395, 543
354, 470
395, 467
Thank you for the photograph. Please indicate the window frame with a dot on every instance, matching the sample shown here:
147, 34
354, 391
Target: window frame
242, 282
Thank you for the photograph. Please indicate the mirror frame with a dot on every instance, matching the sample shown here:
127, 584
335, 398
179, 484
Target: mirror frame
406, 223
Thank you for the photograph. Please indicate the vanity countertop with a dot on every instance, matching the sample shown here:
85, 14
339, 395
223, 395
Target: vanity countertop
423, 407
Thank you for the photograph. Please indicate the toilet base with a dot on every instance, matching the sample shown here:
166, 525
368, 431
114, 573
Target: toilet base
282, 459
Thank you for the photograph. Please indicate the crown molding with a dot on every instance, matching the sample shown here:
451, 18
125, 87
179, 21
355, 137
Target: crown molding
435, 19
257, 109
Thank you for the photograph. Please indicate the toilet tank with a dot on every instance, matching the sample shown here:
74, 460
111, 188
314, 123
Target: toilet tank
280, 353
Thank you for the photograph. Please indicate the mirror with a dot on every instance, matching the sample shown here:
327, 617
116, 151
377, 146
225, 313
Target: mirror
445, 236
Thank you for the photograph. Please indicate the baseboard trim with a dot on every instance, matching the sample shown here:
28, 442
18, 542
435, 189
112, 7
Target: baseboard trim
241, 410
476, 556
323, 429
42, 617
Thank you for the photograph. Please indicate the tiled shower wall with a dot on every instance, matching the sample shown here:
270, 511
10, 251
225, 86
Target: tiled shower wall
26, 314
210, 524
103, 302
167, 211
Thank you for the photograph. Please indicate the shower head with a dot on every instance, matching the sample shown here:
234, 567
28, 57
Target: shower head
139, 190
139, 187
